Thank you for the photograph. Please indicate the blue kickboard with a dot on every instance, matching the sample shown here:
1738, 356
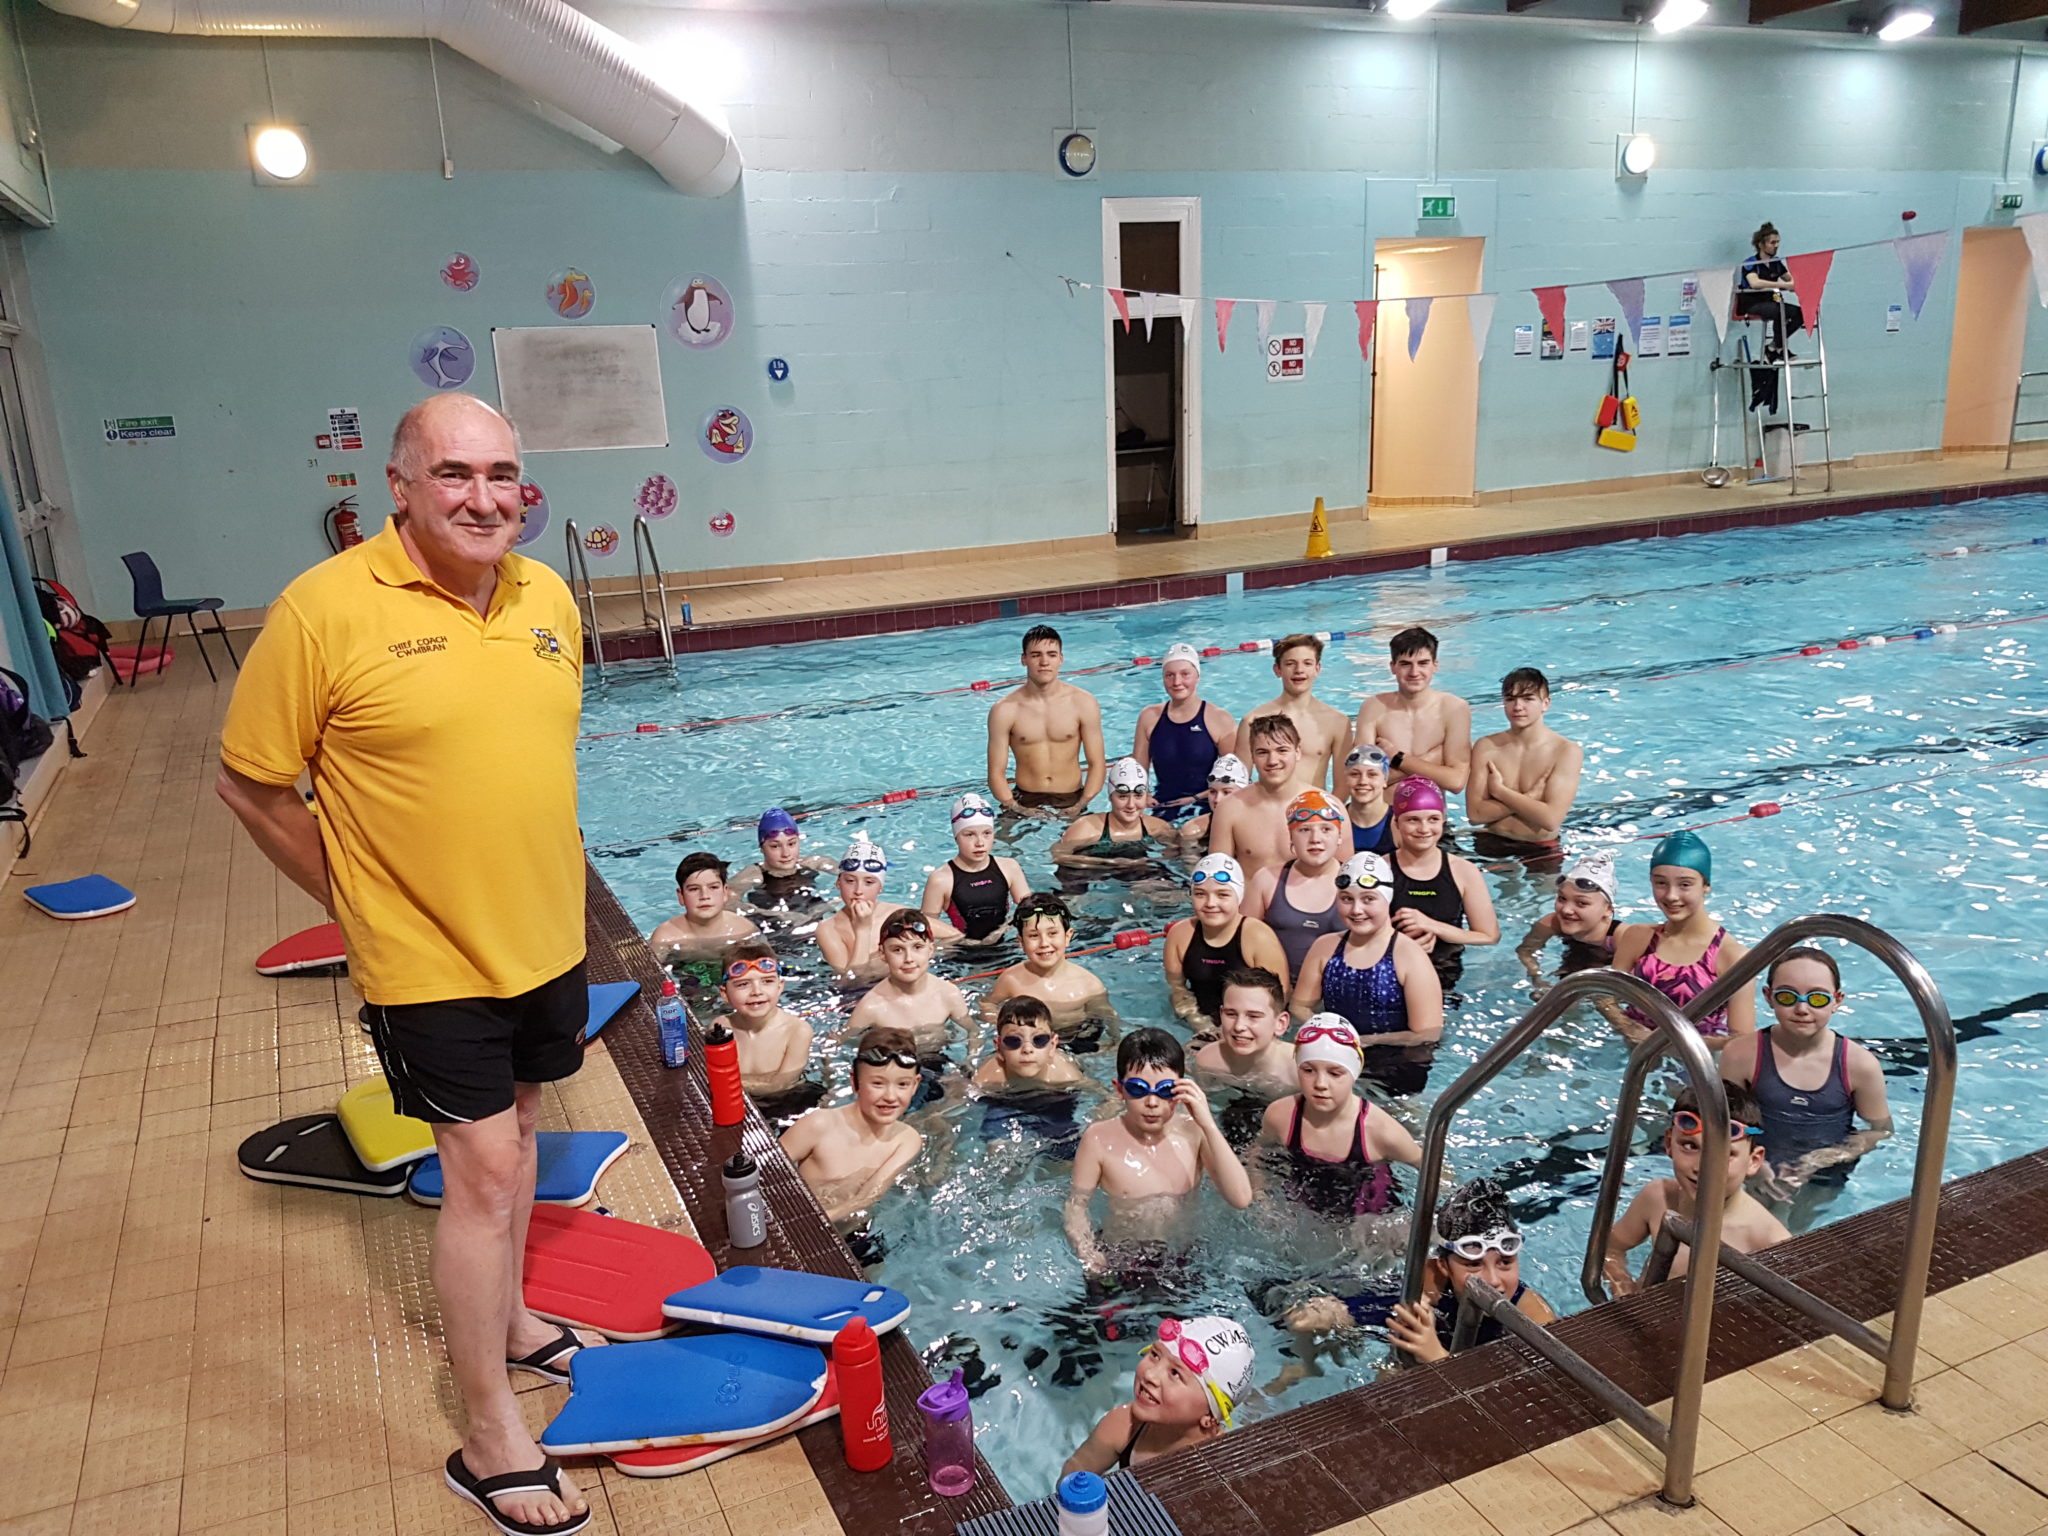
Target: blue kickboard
684, 1391
87, 896
789, 1302
606, 999
570, 1164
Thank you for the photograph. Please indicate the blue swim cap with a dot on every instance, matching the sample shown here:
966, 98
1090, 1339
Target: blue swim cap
774, 822
1685, 850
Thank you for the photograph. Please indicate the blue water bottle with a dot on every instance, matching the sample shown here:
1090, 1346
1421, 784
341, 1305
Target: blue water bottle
674, 1020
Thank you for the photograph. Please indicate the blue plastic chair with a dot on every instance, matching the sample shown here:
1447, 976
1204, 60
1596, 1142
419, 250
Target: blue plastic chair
150, 604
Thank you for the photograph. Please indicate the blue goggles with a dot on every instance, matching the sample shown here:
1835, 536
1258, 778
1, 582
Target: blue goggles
1138, 1088
1212, 877
873, 863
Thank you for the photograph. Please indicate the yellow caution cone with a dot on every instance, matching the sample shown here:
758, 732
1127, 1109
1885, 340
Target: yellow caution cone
1319, 534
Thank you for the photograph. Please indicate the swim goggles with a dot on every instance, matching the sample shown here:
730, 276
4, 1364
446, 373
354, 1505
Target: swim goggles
1032, 907
1127, 789
1324, 812
1580, 883
909, 922
1212, 877
1195, 1358
1223, 778
1785, 997
765, 965
1138, 1088
1016, 1042
1688, 1123
1343, 1034
875, 1056
1371, 757
1366, 882
874, 861
1473, 1247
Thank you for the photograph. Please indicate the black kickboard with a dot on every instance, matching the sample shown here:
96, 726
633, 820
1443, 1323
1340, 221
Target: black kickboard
314, 1150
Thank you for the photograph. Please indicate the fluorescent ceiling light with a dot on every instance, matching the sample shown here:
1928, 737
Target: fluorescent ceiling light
280, 153
1407, 10
1903, 24
1673, 15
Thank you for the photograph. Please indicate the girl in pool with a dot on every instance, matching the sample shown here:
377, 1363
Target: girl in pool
1178, 740
851, 938
1298, 900
1440, 900
1476, 1235
1583, 917
1365, 797
1227, 775
1122, 835
1812, 1085
1340, 1151
1188, 1385
1201, 950
1687, 952
973, 892
1379, 980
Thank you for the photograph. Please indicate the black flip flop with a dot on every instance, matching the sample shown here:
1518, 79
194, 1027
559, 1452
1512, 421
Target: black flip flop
551, 1361
546, 1478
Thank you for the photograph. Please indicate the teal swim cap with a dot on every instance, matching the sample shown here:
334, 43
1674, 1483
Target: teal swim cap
1686, 850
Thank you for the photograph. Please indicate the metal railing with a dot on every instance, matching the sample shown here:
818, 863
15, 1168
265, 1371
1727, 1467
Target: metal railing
643, 538
1787, 368
1672, 1030
646, 563
2012, 435
1898, 1353
580, 589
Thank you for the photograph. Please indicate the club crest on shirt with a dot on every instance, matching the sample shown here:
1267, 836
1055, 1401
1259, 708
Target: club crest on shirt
546, 642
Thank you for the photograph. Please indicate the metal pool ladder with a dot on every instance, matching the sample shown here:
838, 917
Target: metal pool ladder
646, 565
1676, 1031
2012, 436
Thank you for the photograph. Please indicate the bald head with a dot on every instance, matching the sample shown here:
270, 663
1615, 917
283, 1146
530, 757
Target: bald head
414, 441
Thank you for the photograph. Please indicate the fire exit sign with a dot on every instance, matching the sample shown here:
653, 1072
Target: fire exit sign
1439, 205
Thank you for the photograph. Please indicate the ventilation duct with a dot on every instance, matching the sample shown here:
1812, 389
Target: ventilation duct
544, 47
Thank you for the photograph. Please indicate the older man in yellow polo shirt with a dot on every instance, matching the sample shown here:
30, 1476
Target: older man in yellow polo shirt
430, 682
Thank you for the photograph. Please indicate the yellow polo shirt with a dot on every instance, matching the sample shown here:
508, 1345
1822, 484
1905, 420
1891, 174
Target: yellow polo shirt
442, 748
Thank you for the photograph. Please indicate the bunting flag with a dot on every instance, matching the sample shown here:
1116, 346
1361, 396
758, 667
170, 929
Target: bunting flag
1263, 308
1147, 303
1551, 302
1311, 328
1479, 311
1418, 322
1223, 309
2035, 227
1920, 256
1717, 289
1187, 308
1810, 278
1628, 293
1368, 311
1123, 305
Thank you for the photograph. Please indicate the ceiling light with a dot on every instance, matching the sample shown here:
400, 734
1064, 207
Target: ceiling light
280, 153
1638, 152
1904, 24
1673, 15
1407, 10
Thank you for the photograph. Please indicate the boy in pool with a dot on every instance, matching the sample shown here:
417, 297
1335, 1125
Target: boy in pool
1583, 916
1524, 779
1811, 1083
851, 1154
1075, 995
1148, 1161
1249, 1060
1324, 730
1251, 826
1422, 729
785, 878
704, 928
1745, 1225
851, 938
774, 1044
1029, 1082
1476, 1235
910, 998
1187, 1388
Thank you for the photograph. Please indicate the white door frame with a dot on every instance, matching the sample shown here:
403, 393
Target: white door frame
1187, 213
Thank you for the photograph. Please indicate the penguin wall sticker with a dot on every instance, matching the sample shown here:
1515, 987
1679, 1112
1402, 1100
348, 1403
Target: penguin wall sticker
697, 312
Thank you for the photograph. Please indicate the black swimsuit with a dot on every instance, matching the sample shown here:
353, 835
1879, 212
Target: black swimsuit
1435, 896
799, 886
1204, 965
981, 899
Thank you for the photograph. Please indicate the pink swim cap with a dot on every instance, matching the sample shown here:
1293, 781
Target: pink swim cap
1416, 793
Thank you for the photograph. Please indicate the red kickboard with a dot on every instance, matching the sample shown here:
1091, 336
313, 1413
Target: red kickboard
602, 1272
128, 663
674, 1460
317, 949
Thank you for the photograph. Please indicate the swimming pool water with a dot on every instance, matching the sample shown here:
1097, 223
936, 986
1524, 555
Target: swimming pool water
1909, 778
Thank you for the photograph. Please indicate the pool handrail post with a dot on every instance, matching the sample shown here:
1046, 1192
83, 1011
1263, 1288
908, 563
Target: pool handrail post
580, 588
1669, 1028
1938, 1099
643, 535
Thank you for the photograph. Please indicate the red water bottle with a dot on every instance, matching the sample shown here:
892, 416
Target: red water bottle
722, 1062
863, 1415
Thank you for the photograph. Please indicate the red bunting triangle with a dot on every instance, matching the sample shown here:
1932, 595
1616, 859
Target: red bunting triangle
1810, 278
1123, 305
1368, 311
1551, 302
1223, 309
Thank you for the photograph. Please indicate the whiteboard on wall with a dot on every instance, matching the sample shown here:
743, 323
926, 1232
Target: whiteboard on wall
582, 386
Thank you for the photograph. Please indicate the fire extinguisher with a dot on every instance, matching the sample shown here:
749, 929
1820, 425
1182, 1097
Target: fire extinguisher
340, 524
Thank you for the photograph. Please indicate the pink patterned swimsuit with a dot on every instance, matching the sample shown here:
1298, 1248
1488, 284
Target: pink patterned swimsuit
1683, 983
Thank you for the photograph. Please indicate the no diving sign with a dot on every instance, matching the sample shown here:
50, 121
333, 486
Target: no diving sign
1286, 357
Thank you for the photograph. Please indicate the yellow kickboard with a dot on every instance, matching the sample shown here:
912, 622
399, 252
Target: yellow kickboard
381, 1136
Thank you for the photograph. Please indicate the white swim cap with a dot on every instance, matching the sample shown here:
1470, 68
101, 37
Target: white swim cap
1127, 773
1180, 650
1229, 769
1593, 871
972, 807
1329, 1037
863, 855
1221, 869
1228, 1373
1368, 870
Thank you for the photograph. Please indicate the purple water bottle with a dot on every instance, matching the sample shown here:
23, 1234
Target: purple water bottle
948, 1437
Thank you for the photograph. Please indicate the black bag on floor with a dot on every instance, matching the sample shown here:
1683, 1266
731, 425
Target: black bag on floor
24, 735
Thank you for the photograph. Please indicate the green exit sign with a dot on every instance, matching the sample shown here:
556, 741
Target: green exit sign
2011, 202
1444, 206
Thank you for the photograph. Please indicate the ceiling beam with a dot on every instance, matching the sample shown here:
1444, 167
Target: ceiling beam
1978, 14
1516, 7
1761, 11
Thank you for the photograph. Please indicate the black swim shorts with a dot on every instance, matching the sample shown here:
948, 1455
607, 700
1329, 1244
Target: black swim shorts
455, 1062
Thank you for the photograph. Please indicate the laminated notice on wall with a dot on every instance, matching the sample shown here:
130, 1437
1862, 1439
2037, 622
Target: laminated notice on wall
1603, 337
344, 429
1689, 295
1650, 342
1575, 336
1678, 336
1892, 315
1286, 358
1525, 341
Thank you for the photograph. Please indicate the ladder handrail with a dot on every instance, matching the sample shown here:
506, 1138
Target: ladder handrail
580, 590
1938, 1099
2020, 389
1669, 1028
644, 535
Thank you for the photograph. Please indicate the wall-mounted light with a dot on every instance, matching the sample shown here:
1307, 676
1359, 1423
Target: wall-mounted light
1905, 22
1408, 10
1675, 15
1634, 154
279, 155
